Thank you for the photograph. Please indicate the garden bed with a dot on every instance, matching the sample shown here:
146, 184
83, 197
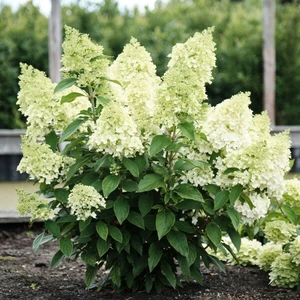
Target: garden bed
25, 274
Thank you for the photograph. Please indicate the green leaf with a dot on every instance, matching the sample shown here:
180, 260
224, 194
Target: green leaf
230, 170
102, 246
192, 254
234, 217
102, 101
174, 147
168, 273
111, 80
90, 274
71, 97
131, 166
187, 129
88, 230
136, 219
185, 227
102, 230
56, 259
129, 185
165, 220
51, 139
66, 246
183, 165
148, 283
196, 275
246, 199
66, 219
221, 199
217, 263
235, 193
115, 233
158, 143
179, 242
188, 191
64, 84
110, 183
76, 166
71, 128
189, 204
84, 224
154, 256
137, 244
89, 258
150, 182
184, 266
235, 238
289, 212
121, 209
115, 275
214, 233
141, 162
139, 266
102, 162
40, 240
212, 189
53, 228
61, 195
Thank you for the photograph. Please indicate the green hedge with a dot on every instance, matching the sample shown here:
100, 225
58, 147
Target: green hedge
238, 34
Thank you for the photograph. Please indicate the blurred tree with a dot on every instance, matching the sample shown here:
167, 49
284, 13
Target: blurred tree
23, 38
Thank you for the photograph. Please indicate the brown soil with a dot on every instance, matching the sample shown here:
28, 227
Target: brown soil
26, 275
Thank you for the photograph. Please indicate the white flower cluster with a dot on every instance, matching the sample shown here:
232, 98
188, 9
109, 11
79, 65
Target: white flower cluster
227, 125
267, 255
261, 204
43, 109
248, 253
284, 273
34, 205
85, 201
279, 231
292, 187
136, 72
183, 88
83, 59
41, 163
295, 251
116, 133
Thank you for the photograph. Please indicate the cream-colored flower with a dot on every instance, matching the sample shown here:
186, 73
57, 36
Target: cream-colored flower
261, 204
34, 205
267, 255
279, 231
85, 202
295, 251
227, 125
292, 189
248, 253
283, 272
116, 133
41, 163
183, 88
84, 60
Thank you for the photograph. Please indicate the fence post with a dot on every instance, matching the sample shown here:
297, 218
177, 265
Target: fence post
269, 57
55, 40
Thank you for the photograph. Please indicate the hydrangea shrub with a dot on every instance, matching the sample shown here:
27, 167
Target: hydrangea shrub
278, 253
138, 175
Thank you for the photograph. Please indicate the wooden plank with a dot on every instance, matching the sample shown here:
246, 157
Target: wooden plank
12, 216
